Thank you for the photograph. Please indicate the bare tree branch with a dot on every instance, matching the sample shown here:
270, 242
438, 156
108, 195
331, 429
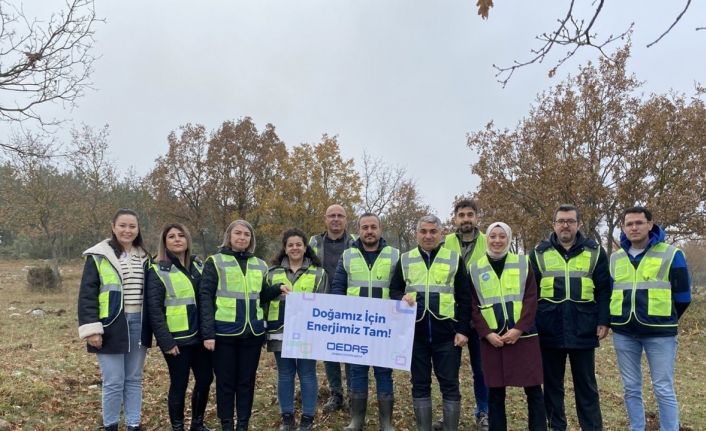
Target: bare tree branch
688, 3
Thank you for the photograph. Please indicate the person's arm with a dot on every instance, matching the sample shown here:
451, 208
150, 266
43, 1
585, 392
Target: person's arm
154, 296
207, 296
88, 308
339, 286
681, 283
397, 283
535, 266
603, 285
462, 296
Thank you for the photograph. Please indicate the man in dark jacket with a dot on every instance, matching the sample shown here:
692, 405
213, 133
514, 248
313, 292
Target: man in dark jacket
436, 279
572, 316
329, 247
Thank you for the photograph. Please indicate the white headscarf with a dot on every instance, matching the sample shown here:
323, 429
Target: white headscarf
508, 232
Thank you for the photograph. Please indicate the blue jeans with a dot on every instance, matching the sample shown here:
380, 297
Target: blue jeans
287, 368
480, 390
359, 379
122, 378
661, 356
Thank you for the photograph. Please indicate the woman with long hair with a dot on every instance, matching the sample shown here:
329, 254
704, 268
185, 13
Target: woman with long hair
110, 304
172, 299
297, 267
233, 288
504, 307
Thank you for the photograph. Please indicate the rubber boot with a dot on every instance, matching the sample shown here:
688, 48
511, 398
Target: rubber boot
422, 413
198, 411
306, 423
386, 403
241, 426
452, 412
227, 425
287, 422
176, 415
359, 404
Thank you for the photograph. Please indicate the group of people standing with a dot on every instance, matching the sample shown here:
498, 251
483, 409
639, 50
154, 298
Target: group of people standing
521, 315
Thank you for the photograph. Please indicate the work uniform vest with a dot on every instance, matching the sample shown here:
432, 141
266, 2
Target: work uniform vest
370, 282
308, 282
433, 287
452, 242
570, 280
110, 294
645, 292
316, 243
179, 301
500, 299
238, 295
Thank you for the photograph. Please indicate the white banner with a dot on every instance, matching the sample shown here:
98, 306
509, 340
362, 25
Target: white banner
351, 329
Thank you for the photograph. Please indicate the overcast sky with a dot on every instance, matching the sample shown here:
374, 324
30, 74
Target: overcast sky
403, 80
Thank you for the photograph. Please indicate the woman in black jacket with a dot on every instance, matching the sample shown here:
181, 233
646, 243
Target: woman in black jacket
172, 296
110, 304
233, 289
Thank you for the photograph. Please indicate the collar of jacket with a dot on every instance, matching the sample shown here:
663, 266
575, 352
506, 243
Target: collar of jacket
105, 250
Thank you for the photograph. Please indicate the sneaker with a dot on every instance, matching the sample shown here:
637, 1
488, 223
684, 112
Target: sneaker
334, 403
482, 421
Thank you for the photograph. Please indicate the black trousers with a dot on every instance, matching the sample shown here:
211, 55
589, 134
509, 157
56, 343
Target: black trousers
537, 419
583, 371
235, 363
445, 358
195, 358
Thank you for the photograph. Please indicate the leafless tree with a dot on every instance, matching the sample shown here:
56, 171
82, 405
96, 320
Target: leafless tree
43, 61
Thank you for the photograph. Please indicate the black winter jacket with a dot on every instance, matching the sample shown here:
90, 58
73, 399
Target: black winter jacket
573, 325
115, 336
155, 295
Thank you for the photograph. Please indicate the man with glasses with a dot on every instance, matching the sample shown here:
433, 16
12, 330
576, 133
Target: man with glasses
651, 291
329, 247
572, 316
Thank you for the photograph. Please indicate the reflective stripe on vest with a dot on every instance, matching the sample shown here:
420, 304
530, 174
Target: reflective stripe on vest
110, 294
307, 282
433, 287
500, 299
570, 280
452, 242
645, 292
371, 282
238, 295
182, 320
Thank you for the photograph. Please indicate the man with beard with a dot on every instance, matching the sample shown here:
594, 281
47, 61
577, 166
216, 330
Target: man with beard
469, 242
365, 270
329, 246
572, 316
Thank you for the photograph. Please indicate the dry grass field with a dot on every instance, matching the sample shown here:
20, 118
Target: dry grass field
49, 382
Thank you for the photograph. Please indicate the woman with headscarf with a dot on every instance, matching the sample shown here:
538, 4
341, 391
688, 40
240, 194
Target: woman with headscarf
110, 302
504, 306
296, 266
172, 293
233, 286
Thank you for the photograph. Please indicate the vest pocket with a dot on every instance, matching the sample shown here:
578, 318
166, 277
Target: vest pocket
177, 318
659, 302
225, 309
616, 303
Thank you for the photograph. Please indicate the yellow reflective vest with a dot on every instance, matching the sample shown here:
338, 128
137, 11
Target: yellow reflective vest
500, 298
564, 280
110, 295
433, 287
238, 295
643, 293
370, 282
308, 282
452, 242
179, 301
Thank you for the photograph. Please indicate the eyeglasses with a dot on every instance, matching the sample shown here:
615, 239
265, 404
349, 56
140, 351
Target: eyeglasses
569, 222
637, 223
